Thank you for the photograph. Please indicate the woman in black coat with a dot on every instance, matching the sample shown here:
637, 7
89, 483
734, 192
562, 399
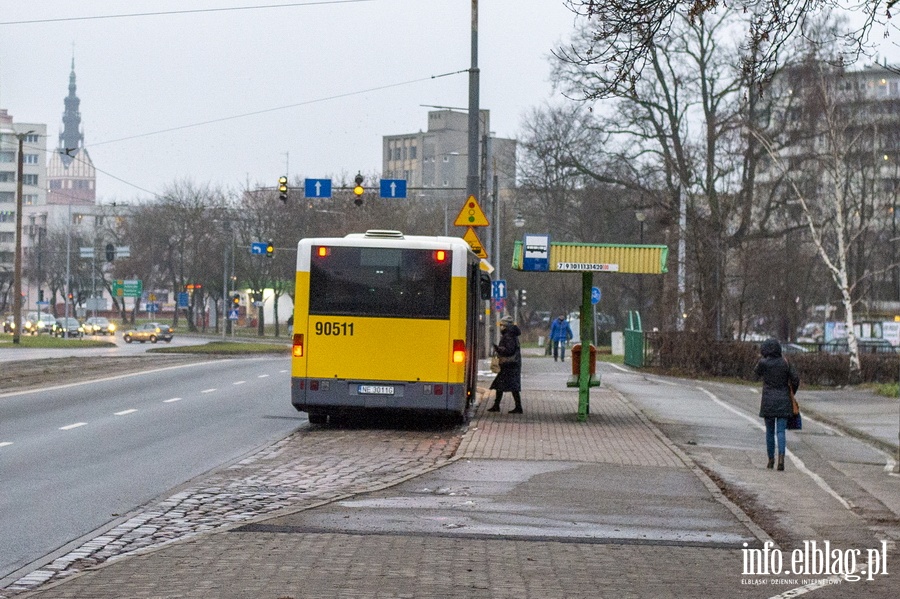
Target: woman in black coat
510, 376
776, 405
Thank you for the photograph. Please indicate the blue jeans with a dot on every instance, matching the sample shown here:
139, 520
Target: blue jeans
559, 350
775, 429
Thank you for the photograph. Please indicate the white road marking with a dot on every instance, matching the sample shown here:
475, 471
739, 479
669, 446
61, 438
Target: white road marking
208, 390
5, 444
239, 382
171, 400
798, 463
280, 371
126, 412
69, 427
262, 376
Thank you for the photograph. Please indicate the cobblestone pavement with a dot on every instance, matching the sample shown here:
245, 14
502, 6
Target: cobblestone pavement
310, 467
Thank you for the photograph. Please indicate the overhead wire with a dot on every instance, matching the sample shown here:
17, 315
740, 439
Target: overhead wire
182, 12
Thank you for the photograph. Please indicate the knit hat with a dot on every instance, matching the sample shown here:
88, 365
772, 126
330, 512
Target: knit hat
506, 320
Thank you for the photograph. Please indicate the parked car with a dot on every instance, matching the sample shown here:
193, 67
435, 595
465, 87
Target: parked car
67, 327
151, 331
98, 325
38, 322
867, 345
9, 324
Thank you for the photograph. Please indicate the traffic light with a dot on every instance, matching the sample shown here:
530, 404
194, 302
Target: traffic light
270, 249
523, 300
283, 188
40, 295
236, 300
358, 189
110, 252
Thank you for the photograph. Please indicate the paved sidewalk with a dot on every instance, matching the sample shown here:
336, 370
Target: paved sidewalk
536, 505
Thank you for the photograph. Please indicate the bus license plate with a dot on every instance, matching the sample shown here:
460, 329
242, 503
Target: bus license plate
375, 390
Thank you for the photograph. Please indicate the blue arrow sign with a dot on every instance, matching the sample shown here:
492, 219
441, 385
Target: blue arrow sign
499, 289
393, 188
258, 248
595, 295
317, 188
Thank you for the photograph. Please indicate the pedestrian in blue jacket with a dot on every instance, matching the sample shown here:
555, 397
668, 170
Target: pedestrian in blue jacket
560, 334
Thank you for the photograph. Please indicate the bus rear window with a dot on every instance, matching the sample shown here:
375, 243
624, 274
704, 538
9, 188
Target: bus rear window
385, 282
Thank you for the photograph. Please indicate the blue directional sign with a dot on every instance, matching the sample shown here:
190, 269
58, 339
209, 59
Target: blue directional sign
499, 289
595, 295
258, 248
393, 188
183, 300
317, 188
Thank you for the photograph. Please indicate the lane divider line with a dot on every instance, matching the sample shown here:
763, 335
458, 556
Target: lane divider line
5, 443
262, 376
172, 400
798, 463
113, 378
208, 390
238, 382
69, 427
126, 412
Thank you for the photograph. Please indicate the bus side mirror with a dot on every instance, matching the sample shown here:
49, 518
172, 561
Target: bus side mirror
486, 286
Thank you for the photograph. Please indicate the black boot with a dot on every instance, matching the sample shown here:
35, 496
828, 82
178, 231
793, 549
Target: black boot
771, 463
495, 407
518, 408
781, 462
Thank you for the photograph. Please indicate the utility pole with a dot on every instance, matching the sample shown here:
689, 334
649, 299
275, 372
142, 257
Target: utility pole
17, 290
472, 171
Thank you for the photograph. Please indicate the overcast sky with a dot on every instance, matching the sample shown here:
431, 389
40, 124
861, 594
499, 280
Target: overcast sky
320, 81
311, 72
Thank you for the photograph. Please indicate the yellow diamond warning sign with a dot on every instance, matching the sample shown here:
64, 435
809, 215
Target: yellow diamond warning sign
471, 215
472, 239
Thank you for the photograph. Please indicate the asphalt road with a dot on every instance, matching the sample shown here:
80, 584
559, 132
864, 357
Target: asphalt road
77, 458
8, 354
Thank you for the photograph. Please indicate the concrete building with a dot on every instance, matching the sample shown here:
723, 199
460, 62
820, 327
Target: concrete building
34, 152
438, 158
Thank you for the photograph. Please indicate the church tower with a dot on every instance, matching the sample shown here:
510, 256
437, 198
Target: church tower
71, 175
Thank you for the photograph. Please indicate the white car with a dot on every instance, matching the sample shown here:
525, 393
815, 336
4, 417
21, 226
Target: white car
98, 325
38, 322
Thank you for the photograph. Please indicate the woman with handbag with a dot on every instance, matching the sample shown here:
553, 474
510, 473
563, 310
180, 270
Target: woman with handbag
780, 382
510, 376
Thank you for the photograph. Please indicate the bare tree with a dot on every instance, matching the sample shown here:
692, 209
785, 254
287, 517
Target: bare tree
624, 34
833, 177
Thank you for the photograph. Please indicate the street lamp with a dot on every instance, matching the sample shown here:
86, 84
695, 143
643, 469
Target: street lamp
519, 221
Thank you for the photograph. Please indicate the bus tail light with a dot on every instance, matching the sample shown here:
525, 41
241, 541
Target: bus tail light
440, 255
459, 351
323, 251
297, 350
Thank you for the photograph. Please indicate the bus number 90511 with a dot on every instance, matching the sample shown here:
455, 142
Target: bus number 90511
334, 328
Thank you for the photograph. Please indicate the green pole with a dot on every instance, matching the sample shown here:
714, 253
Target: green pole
586, 333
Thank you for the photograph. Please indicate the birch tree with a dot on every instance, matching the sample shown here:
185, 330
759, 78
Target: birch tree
832, 176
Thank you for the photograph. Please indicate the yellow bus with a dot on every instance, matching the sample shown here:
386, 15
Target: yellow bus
384, 320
